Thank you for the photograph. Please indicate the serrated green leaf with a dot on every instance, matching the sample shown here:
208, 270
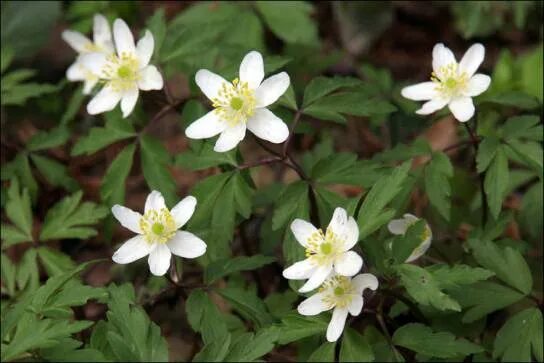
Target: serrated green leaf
54, 172
28, 276
8, 270
71, 219
48, 139
19, 213
223, 267
496, 182
115, 129
249, 347
322, 86
454, 276
291, 197
423, 340
155, 161
295, 327
486, 152
54, 262
438, 174
520, 336
214, 351
325, 353
516, 99
507, 263
525, 126
355, 348
247, 304
530, 154
112, 190
202, 156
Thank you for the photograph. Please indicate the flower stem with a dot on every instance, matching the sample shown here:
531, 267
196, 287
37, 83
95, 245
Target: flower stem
475, 143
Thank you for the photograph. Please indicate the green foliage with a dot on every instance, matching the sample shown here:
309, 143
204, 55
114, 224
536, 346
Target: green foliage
496, 181
112, 190
220, 268
423, 340
520, 338
404, 245
437, 183
355, 348
155, 161
19, 212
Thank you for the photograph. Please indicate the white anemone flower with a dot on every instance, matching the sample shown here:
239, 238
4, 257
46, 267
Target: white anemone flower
344, 295
325, 252
158, 233
101, 43
124, 73
400, 226
453, 84
241, 105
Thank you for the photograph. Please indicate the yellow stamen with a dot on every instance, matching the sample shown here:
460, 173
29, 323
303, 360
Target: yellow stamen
235, 102
122, 73
338, 291
158, 226
449, 82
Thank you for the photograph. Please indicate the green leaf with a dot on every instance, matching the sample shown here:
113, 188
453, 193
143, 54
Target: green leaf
202, 156
19, 213
371, 216
424, 288
249, 347
55, 262
486, 152
483, 298
438, 175
156, 24
496, 182
507, 263
54, 172
532, 211
289, 200
223, 267
115, 129
404, 245
515, 99
325, 353
525, 126
530, 154
67, 351
28, 276
295, 327
20, 167
70, 219
112, 190
8, 270
454, 276
20, 93
247, 304
423, 340
215, 351
155, 163
48, 139
322, 86
519, 336
73, 106
328, 169
290, 20
355, 348
6, 57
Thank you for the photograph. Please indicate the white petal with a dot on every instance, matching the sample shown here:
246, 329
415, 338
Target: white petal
209, 83
398, 226
128, 101
154, 201
76, 72
93, 62
88, 85
159, 259
187, 245
230, 137
345, 228
313, 305
422, 248
472, 59
338, 221
102, 33
252, 69
144, 48
348, 263
207, 126
150, 79
132, 250
478, 84
462, 108
271, 89
79, 42
442, 56
183, 211
319, 275
364, 281
410, 218
124, 41
127, 217
302, 231
432, 106
267, 126
336, 325
356, 305
104, 101
299, 270
351, 234
420, 92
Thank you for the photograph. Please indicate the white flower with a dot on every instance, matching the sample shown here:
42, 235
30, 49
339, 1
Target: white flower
124, 73
453, 84
400, 226
344, 295
101, 43
158, 234
326, 252
240, 105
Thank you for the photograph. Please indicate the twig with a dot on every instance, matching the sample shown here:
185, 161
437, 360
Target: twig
162, 112
379, 318
291, 133
481, 176
264, 161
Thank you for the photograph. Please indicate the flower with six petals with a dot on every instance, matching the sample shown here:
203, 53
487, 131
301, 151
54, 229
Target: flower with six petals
240, 105
158, 233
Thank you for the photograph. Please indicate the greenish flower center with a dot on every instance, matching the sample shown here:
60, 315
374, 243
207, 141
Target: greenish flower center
124, 72
326, 248
338, 291
157, 228
236, 103
451, 83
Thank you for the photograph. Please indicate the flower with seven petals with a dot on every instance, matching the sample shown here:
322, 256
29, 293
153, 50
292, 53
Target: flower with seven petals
101, 43
124, 73
240, 105
344, 295
325, 252
453, 84
158, 233
400, 226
